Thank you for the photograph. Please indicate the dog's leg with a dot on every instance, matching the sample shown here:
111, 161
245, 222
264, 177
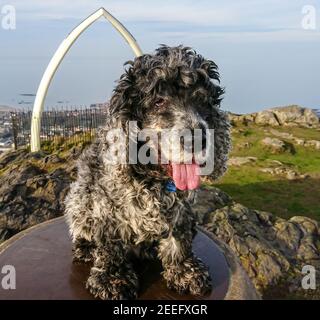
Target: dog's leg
82, 250
183, 272
148, 251
112, 275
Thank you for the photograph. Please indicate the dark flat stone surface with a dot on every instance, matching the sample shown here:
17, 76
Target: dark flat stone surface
44, 269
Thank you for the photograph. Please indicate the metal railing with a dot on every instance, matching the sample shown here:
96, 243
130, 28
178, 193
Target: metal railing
76, 124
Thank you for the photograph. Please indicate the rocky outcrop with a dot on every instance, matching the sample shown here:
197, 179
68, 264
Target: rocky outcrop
284, 172
299, 141
280, 116
32, 189
283, 135
312, 143
242, 145
296, 115
272, 250
239, 161
266, 117
275, 145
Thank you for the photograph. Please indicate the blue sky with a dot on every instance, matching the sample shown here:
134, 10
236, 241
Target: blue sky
264, 55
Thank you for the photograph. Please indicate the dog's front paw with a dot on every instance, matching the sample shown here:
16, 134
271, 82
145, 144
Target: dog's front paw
191, 276
81, 256
82, 251
117, 286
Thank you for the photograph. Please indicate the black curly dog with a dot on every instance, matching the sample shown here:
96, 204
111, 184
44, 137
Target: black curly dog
114, 206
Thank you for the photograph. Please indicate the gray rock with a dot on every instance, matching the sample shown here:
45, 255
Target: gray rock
28, 193
281, 116
283, 135
301, 142
271, 250
284, 172
240, 118
209, 199
274, 145
10, 156
53, 158
306, 225
239, 161
313, 143
296, 115
266, 117
244, 145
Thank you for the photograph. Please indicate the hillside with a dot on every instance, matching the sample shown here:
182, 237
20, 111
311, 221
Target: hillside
275, 169
265, 208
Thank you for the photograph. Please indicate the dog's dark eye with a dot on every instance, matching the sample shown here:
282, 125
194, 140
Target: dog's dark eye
160, 102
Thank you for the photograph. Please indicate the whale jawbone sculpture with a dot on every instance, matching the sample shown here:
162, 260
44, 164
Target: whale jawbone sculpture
58, 57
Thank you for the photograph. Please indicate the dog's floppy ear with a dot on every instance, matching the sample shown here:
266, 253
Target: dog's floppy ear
123, 103
222, 141
122, 109
219, 119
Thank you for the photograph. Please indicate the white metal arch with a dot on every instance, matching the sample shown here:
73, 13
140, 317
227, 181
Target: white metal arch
58, 57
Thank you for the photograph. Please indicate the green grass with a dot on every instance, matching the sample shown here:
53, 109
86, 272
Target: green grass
262, 191
246, 184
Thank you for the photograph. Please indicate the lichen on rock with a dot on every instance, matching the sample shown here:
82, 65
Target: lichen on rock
272, 250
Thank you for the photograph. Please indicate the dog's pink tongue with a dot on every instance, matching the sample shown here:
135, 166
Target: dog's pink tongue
186, 176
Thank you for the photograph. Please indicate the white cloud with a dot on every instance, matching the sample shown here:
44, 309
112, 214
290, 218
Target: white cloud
278, 36
229, 20
138, 10
256, 13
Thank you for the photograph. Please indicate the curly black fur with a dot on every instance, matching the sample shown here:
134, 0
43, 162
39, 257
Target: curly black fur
112, 207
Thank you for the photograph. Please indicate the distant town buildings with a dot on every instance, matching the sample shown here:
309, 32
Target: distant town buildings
103, 105
6, 138
15, 126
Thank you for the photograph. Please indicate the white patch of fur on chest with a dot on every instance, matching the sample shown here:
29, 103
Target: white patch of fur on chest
170, 250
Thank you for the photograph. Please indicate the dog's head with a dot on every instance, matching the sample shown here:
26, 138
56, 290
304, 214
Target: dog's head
174, 96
